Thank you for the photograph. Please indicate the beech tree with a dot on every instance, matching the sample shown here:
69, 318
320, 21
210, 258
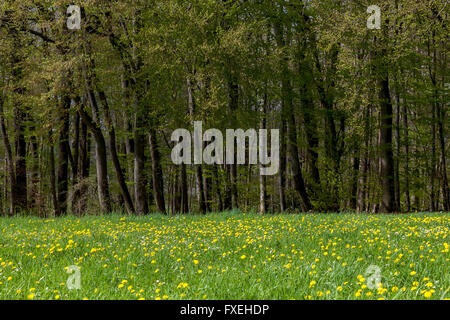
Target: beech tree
86, 114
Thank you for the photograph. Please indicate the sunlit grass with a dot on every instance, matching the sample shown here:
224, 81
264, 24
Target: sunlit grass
227, 256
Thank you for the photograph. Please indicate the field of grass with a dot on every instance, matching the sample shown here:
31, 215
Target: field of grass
227, 256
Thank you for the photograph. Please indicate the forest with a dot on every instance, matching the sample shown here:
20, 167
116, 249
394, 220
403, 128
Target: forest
87, 114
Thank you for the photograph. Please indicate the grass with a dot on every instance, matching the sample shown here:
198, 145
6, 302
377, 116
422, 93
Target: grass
227, 256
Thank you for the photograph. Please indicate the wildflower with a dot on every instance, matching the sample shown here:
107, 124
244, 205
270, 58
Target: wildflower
428, 293
381, 291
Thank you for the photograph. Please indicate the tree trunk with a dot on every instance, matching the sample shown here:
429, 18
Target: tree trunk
184, 189
386, 153
9, 159
282, 173
198, 167
129, 142
297, 177
227, 189
63, 157
20, 187
113, 149
387, 157
262, 178
35, 199
397, 205
83, 169
100, 153
140, 181
53, 181
433, 196
364, 170
354, 187
287, 113
233, 92
157, 173
206, 191
199, 187
76, 160
406, 159
445, 188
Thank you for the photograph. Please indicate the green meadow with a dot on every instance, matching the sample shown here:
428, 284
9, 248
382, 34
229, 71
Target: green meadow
226, 256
